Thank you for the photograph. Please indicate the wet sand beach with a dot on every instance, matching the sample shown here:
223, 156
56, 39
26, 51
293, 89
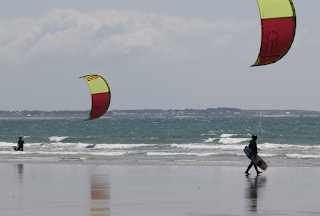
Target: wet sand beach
45, 188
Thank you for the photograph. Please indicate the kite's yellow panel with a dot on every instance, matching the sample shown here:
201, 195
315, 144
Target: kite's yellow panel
275, 9
96, 83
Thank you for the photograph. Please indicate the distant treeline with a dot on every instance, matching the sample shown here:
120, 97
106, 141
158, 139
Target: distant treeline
159, 113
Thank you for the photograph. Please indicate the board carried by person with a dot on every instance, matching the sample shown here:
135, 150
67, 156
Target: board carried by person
258, 160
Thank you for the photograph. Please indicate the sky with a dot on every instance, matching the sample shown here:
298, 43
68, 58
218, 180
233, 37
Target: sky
177, 54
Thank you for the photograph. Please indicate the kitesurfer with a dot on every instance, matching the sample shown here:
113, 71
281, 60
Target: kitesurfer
253, 146
20, 144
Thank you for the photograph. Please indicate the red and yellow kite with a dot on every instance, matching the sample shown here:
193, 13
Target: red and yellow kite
100, 93
278, 22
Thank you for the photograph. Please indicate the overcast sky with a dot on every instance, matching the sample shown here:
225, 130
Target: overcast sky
175, 54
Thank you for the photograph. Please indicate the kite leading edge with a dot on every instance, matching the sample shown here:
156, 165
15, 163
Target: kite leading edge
278, 25
100, 94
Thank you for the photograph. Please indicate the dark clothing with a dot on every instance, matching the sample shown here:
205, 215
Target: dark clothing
255, 167
20, 145
253, 146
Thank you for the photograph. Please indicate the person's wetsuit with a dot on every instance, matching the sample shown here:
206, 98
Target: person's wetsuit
253, 146
20, 145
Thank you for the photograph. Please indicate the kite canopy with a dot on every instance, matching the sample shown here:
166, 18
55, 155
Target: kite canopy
278, 24
100, 93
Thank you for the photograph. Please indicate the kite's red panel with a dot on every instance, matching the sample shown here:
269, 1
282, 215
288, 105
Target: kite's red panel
276, 39
100, 105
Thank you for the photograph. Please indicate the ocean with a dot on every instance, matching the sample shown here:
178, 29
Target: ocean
281, 140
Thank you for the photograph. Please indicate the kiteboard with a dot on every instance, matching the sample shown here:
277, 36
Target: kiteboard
14, 148
257, 161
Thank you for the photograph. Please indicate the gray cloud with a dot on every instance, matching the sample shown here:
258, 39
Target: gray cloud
69, 34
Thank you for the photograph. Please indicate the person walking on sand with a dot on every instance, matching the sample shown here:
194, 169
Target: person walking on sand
253, 146
20, 144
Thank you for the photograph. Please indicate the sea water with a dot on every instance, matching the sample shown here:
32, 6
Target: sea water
281, 140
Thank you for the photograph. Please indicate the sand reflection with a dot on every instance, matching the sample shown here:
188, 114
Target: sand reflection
253, 191
20, 171
100, 195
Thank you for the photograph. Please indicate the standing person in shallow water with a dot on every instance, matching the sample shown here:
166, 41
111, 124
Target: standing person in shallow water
253, 146
20, 144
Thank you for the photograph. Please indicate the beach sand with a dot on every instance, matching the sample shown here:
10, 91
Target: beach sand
45, 188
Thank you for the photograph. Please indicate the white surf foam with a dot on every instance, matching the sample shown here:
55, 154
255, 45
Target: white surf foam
123, 146
267, 155
204, 146
302, 156
210, 140
13, 152
60, 145
227, 135
210, 133
229, 140
260, 154
287, 146
7, 144
66, 153
179, 153
57, 139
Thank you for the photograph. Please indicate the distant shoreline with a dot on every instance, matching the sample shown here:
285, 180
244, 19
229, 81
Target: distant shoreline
44, 118
181, 117
158, 113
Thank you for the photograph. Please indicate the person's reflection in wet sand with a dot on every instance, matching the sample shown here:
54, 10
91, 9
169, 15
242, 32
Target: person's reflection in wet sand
20, 172
20, 186
100, 195
253, 190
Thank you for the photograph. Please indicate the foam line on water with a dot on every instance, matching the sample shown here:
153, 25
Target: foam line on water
57, 138
302, 156
123, 146
229, 140
210, 140
204, 146
66, 153
177, 153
